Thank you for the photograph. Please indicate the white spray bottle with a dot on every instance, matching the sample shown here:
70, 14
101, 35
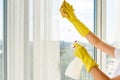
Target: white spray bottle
74, 68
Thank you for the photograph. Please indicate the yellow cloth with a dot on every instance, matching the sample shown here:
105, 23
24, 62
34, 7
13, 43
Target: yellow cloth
82, 54
68, 12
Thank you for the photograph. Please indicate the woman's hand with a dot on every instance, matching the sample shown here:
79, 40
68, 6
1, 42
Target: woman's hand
82, 54
67, 11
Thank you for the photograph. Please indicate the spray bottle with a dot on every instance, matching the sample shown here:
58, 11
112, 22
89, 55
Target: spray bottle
74, 68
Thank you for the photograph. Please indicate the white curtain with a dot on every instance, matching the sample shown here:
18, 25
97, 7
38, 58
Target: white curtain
46, 45
17, 38
45, 41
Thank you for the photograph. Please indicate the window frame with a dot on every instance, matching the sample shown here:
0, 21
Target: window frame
5, 38
116, 32
101, 31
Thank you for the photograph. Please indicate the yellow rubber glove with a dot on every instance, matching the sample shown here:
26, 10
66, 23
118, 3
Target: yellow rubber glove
82, 54
68, 12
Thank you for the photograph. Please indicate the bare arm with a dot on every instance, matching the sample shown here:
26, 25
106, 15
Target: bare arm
93, 39
116, 78
95, 71
99, 75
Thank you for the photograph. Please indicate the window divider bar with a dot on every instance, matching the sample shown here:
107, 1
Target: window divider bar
5, 38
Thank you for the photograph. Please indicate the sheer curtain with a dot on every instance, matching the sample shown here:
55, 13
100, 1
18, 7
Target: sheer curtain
17, 41
45, 41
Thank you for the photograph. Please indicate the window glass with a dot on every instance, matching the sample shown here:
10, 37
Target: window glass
110, 34
84, 9
109, 31
1, 41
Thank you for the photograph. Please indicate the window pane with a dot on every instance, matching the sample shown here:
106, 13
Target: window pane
84, 10
111, 33
1, 41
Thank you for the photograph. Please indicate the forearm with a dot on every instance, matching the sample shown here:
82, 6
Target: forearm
93, 39
98, 74
116, 78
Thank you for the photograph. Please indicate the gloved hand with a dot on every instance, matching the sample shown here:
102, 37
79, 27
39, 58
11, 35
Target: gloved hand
67, 11
82, 54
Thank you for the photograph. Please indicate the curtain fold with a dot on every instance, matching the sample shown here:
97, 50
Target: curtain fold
45, 41
46, 46
17, 41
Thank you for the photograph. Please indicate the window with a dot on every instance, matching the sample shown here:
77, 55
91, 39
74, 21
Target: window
1, 42
112, 27
109, 33
84, 10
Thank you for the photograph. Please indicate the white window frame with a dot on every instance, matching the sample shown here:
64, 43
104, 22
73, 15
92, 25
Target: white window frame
100, 31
